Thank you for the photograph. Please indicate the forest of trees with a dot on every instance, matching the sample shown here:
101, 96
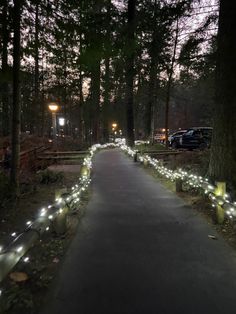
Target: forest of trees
76, 54
142, 64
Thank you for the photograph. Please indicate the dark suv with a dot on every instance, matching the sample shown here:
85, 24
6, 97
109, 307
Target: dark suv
174, 138
199, 137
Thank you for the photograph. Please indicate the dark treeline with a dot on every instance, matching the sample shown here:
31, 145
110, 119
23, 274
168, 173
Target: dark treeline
136, 63
77, 53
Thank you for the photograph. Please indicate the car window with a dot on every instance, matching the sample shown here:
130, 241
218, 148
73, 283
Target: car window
197, 133
190, 132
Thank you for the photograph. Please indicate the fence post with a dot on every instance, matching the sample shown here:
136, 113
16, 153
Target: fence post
85, 171
220, 191
145, 162
178, 185
136, 157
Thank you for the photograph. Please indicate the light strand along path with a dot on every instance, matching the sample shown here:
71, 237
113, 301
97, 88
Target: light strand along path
140, 249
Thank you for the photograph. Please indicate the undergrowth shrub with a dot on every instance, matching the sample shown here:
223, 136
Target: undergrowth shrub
48, 176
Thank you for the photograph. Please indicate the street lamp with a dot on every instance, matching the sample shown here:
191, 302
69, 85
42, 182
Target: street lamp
114, 126
53, 107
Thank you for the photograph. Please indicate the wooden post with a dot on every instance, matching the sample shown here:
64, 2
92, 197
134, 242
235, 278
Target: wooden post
220, 191
145, 163
85, 171
136, 157
178, 185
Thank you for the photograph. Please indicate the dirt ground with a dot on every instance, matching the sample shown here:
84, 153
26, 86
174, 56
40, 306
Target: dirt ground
46, 255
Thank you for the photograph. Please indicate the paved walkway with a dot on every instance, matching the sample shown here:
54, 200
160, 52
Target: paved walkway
140, 250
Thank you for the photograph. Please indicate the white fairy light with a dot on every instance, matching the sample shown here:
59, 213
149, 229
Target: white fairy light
19, 249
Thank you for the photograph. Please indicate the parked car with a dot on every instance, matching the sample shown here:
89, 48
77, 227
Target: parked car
197, 137
174, 138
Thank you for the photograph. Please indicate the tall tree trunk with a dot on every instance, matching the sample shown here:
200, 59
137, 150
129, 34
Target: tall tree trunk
80, 109
130, 53
16, 97
223, 152
5, 71
169, 83
95, 97
36, 68
106, 103
149, 125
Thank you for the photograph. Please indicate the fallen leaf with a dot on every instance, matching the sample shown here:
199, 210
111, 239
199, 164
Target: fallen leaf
18, 276
55, 260
212, 237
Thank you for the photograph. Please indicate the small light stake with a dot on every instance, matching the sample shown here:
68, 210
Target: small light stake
26, 259
13, 234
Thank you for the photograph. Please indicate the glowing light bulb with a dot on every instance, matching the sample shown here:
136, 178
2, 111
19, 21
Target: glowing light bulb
19, 249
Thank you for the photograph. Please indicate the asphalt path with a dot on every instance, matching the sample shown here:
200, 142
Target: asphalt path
141, 250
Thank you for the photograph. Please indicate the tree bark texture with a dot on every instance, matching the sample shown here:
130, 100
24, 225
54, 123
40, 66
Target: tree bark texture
154, 50
106, 103
5, 71
169, 83
95, 96
130, 55
36, 67
223, 151
16, 110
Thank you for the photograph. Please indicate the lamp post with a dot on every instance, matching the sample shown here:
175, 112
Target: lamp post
114, 127
53, 107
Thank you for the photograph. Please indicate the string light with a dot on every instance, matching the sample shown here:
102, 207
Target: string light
19, 249
53, 210
194, 181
